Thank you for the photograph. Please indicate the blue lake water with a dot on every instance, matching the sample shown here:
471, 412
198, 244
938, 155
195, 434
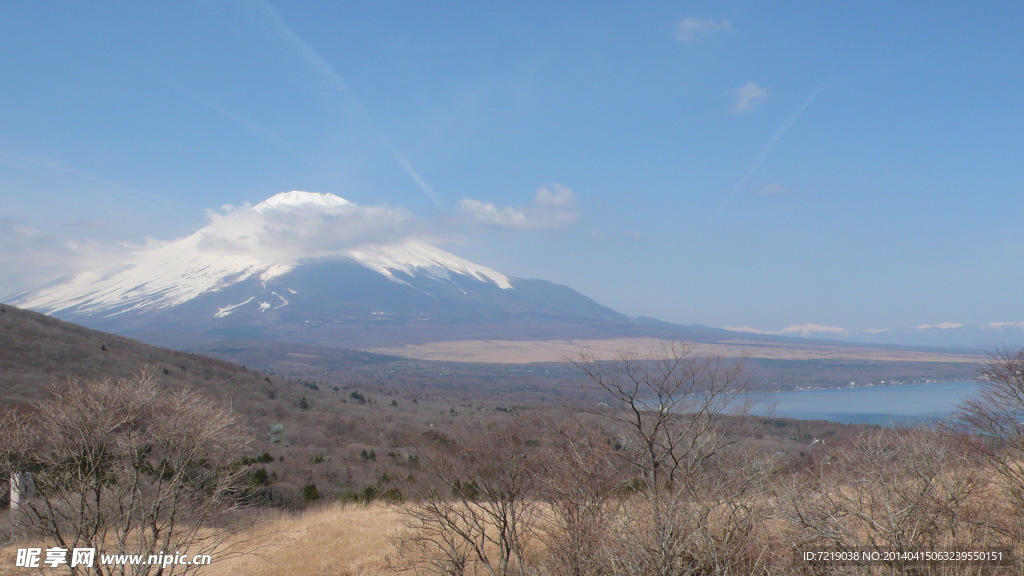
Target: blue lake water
890, 405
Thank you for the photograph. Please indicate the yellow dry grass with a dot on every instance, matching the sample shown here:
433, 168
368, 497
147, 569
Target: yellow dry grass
336, 540
356, 540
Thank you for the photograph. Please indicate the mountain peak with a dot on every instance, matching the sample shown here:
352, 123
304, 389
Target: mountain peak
297, 198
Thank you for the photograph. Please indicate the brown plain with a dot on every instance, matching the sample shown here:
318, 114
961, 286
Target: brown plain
527, 351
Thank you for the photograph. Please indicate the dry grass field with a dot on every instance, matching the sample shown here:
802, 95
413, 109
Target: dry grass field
527, 351
334, 540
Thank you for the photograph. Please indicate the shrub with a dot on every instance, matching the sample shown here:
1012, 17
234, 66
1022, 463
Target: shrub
310, 493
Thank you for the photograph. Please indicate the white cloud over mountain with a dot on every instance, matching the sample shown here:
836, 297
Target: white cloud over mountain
300, 227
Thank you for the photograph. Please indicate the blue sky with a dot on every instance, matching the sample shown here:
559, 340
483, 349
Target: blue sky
849, 164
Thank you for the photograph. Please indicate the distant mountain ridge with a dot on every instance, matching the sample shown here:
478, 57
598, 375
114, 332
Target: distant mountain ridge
942, 335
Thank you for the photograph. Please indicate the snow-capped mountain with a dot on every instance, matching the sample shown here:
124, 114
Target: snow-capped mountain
172, 274
314, 267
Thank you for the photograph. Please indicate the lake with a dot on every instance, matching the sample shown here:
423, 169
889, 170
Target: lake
889, 405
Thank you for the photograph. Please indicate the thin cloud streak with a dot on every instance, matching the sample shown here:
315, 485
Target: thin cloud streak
256, 129
107, 188
312, 57
765, 151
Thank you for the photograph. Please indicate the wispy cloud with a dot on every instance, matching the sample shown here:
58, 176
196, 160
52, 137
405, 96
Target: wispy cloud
748, 97
772, 189
551, 208
690, 28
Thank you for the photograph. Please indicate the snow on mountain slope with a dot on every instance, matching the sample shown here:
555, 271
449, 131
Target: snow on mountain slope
156, 278
413, 256
263, 242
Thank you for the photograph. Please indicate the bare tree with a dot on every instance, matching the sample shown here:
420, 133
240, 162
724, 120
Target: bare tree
731, 511
891, 491
478, 511
128, 467
666, 411
579, 477
996, 415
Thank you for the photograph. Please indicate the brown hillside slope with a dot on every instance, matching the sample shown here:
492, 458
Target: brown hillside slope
36, 350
